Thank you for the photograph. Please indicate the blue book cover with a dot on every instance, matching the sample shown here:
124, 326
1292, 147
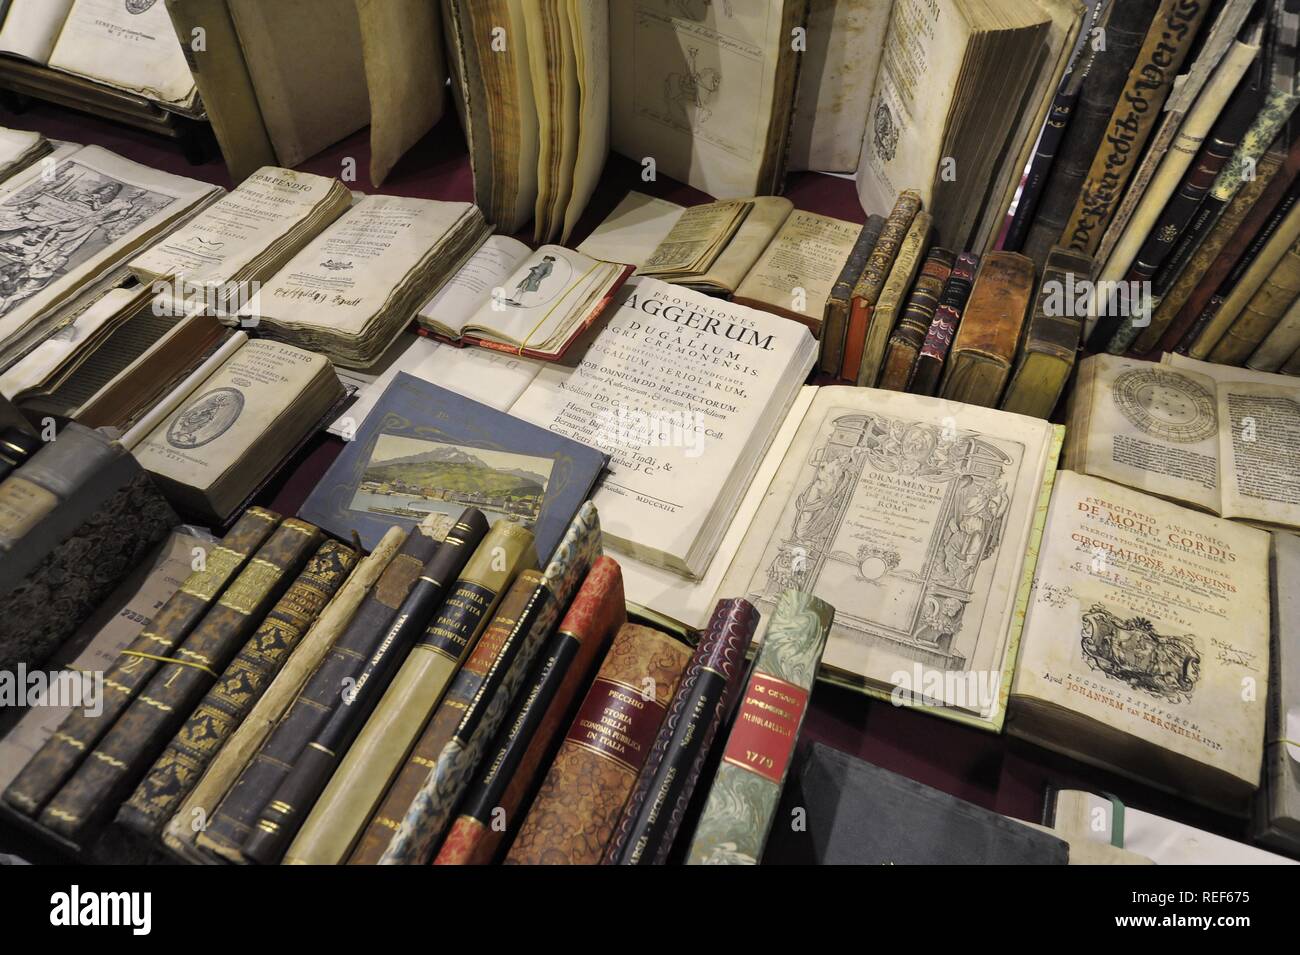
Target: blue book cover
424, 448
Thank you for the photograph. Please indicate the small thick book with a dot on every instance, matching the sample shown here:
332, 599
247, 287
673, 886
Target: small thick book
552, 297
1214, 438
860, 814
423, 449
979, 362
1277, 809
1145, 646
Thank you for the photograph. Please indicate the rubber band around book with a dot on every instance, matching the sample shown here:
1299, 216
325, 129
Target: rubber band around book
524, 344
184, 663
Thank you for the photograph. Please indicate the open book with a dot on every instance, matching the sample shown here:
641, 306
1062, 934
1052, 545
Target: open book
1147, 625
19, 149
1227, 446
534, 304
126, 44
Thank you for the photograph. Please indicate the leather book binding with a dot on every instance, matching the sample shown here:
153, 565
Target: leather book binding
655, 809
867, 291
907, 338
426, 820
883, 316
991, 327
943, 327
1264, 310
55, 762
234, 819
467, 644
172, 776
836, 321
1051, 338
490, 809
741, 805
577, 808
297, 793
127, 750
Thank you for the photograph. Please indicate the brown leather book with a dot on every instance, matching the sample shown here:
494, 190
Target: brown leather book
867, 291
176, 772
835, 322
1051, 339
127, 751
943, 328
991, 325
1264, 310
575, 812
56, 761
906, 340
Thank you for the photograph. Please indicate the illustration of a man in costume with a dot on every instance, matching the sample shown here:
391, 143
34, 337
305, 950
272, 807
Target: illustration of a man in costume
532, 282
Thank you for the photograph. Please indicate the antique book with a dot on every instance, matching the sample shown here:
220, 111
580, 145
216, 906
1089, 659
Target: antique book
107, 208
574, 814
20, 148
423, 449
224, 84
684, 451
836, 78
1280, 343
490, 810
449, 636
708, 90
31, 28
882, 319
1221, 251
46, 773
476, 283
636, 227
547, 302
738, 813
1178, 433
1052, 338
87, 656
125, 753
16, 448
1167, 43
908, 336
866, 292
176, 771
421, 829
1259, 316
191, 820
229, 824
979, 362
797, 272
944, 115
916, 518
860, 814
224, 253
455, 656
657, 804
128, 46
1146, 622
1191, 117
1276, 817
930, 361
1123, 32
834, 331
224, 441
351, 290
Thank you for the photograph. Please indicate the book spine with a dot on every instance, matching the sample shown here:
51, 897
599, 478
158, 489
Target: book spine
942, 330
885, 314
992, 324
867, 291
16, 449
1264, 310
297, 793
835, 322
55, 762
425, 822
655, 809
906, 340
1292, 365
1279, 344
742, 801
1125, 32
1220, 252
1168, 41
183, 834
172, 776
512, 763
452, 690
232, 823
575, 811
127, 750
1031, 192
53, 475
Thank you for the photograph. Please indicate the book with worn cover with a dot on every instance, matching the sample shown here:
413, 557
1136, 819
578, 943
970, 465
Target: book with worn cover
1277, 808
882, 319
906, 339
979, 361
869, 285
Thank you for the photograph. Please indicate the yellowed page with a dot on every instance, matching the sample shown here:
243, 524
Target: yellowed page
589, 20
31, 28
1261, 453
758, 229
800, 266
